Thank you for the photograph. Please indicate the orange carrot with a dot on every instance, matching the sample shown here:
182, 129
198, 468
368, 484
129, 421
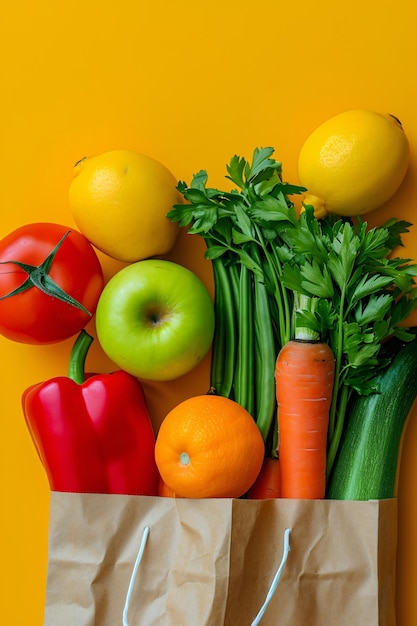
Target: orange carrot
304, 375
268, 484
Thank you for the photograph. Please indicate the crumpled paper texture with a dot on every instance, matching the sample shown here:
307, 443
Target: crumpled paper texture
211, 562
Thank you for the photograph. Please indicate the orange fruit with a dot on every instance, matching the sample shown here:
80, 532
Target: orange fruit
209, 447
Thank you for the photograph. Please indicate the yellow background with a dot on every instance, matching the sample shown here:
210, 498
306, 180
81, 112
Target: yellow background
189, 84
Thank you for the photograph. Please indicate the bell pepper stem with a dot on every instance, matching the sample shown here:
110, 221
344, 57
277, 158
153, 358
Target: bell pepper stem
78, 357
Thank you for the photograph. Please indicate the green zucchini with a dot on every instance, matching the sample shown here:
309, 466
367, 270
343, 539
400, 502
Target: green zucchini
367, 464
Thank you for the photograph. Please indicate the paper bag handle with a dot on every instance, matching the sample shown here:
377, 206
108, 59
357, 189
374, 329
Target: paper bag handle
263, 608
276, 579
134, 572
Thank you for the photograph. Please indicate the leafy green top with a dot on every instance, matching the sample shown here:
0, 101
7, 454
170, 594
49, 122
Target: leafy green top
233, 222
363, 293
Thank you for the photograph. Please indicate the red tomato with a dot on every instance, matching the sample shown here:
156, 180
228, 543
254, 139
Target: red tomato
33, 316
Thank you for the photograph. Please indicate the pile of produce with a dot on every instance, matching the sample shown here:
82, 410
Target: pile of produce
313, 368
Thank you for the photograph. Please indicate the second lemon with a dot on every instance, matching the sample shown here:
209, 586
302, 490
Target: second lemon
353, 163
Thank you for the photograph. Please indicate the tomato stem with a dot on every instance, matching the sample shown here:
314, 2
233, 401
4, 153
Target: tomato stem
38, 276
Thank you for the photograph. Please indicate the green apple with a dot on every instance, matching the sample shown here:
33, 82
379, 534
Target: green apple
155, 320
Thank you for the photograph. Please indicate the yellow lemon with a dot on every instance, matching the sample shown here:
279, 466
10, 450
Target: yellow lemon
353, 163
119, 200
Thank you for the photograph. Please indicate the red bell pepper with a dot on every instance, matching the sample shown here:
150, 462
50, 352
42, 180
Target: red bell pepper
93, 434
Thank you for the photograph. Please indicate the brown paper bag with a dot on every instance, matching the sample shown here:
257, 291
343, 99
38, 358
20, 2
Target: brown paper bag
212, 562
